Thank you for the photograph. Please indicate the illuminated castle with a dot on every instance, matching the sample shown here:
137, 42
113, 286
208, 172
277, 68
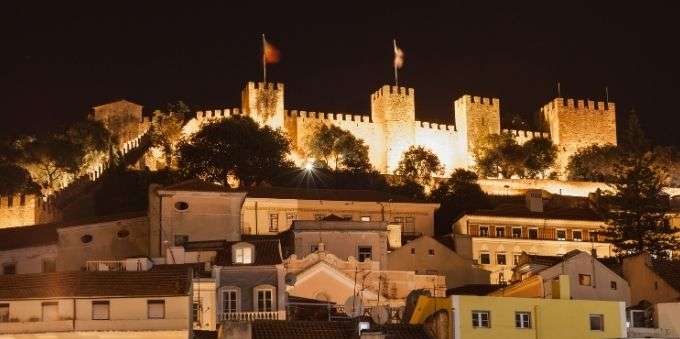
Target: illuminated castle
391, 128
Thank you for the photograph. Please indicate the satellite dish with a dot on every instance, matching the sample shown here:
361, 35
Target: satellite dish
380, 314
354, 307
290, 279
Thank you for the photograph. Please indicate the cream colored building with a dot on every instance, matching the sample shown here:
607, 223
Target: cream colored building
495, 239
271, 210
96, 301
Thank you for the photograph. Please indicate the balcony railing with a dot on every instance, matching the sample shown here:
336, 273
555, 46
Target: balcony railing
251, 316
105, 265
527, 237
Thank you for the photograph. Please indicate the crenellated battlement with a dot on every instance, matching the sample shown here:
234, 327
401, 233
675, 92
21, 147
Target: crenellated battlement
26, 209
477, 100
268, 85
527, 134
327, 116
579, 105
435, 126
387, 90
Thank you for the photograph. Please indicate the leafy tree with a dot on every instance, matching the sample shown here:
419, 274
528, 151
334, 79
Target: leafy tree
238, 147
500, 154
540, 155
336, 148
407, 188
457, 195
594, 163
94, 140
166, 131
52, 159
636, 211
16, 180
419, 164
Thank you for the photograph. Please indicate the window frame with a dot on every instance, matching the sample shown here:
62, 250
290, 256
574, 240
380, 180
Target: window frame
573, 235
488, 258
240, 258
6, 317
557, 237
601, 319
237, 298
582, 277
359, 254
613, 285
504, 256
486, 230
478, 319
430, 252
256, 298
150, 302
512, 232
501, 230
107, 303
529, 230
181, 239
273, 222
520, 321
12, 264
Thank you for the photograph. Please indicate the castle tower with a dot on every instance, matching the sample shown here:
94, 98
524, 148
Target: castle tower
263, 103
574, 125
393, 108
476, 118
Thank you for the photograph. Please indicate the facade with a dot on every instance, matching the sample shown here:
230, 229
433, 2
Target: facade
425, 255
589, 278
271, 210
653, 281
96, 301
391, 128
495, 239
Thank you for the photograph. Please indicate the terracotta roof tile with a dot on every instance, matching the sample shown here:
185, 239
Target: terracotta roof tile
266, 253
298, 329
560, 213
669, 271
27, 236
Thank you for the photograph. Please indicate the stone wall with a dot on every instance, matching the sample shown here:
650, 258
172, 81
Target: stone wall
26, 210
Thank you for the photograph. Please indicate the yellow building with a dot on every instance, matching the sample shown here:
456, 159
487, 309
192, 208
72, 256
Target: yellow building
506, 317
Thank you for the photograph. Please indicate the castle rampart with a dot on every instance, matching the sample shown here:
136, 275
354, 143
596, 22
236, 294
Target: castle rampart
522, 136
22, 210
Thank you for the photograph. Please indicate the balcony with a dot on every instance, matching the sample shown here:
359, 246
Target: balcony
251, 316
132, 264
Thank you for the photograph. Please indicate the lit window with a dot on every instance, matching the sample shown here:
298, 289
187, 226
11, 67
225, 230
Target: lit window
516, 232
484, 231
577, 235
597, 322
484, 258
243, 255
365, 218
480, 319
533, 233
561, 235
264, 300
230, 301
4, 313
584, 279
523, 319
156, 309
612, 285
100, 310
50, 311
500, 259
274, 222
500, 232
365, 253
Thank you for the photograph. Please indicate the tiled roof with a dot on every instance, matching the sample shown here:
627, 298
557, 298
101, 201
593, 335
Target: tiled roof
95, 284
206, 245
266, 253
280, 329
557, 212
474, 289
344, 225
326, 194
102, 218
669, 271
198, 185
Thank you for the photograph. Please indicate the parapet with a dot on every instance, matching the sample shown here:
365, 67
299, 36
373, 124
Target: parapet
469, 99
217, 114
327, 116
262, 85
579, 105
434, 126
527, 134
387, 90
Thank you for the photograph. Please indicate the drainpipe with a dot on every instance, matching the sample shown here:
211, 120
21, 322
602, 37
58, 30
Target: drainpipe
74, 314
256, 231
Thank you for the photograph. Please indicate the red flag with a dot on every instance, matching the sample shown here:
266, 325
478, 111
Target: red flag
271, 54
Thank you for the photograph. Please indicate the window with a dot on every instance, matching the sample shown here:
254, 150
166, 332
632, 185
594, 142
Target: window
181, 206
22, 200
100, 310
612, 285
500, 232
430, 251
561, 235
638, 318
365, 252
9, 268
584, 279
577, 235
49, 265
593, 236
484, 258
290, 217
413, 250
407, 224
264, 300
533, 233
196, 311
10, 201
483, 231
180, 239
656, 285
243, 255
155, 309
274, 222
123, 234
230, 301
50, 311
516, 232
523, 319
480, 319
4, 313
313, 248
365, 218
501, 278
500, 259
597, 322
515, 259
86, 239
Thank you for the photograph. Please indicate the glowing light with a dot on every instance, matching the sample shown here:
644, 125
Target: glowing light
309, 166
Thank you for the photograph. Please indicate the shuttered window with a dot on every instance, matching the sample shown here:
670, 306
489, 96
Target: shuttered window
100, 310
156, 309
50, 311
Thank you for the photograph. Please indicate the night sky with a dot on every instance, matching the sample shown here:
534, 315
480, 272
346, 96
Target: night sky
58, 60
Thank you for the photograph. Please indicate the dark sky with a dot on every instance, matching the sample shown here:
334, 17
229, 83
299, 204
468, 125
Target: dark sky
58, 60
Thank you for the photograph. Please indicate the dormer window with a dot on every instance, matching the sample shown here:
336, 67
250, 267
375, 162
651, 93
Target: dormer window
243, 253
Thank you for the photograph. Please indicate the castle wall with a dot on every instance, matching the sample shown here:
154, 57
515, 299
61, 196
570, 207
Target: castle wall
522, 136
445, 142
32, 210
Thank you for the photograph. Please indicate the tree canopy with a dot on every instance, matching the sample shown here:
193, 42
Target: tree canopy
501, 155
457, 195
420, 165
338, 149
236, 146
16, 180
166, 130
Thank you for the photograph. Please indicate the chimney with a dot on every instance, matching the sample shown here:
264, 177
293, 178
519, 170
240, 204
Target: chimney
534, 200
561, 288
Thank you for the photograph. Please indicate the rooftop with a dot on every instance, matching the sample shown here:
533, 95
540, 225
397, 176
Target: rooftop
267, 252
340, 225
669, 271
549, 212
474, 289
95, 284
298, 329
327, 194
197, 185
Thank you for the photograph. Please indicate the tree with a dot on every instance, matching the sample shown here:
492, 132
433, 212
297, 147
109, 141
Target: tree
166, 131
236, 146
94, 140
419, 164
636, 211
53, 159
16, 180
500, 154
338, 149
540, 155
457, 195
594, 163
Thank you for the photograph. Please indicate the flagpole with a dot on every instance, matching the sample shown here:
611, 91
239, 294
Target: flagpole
606, 94
264, 59
396, 74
